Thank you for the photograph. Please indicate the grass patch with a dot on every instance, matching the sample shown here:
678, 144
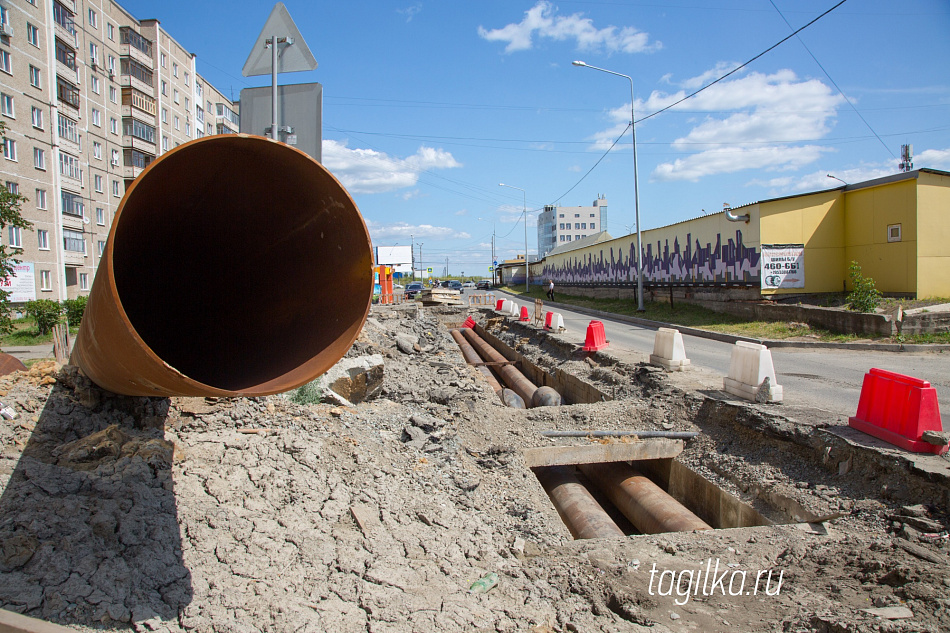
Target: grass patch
690, 315
25, 334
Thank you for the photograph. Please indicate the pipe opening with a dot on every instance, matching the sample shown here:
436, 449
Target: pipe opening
241, 264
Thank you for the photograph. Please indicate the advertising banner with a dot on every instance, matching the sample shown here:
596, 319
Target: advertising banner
783, 266
22, 284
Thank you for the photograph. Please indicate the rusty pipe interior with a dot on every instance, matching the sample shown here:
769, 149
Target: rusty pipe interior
236, 265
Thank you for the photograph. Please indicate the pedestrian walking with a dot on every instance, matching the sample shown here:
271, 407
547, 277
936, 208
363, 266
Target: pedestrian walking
551, 289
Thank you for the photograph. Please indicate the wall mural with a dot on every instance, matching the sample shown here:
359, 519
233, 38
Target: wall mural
730, 263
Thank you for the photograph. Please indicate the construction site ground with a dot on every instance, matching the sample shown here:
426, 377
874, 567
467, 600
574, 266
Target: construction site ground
261, 514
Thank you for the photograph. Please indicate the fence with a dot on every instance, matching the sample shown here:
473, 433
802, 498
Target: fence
486, 299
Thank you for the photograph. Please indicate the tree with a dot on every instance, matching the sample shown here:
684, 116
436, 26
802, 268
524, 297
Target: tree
864, 296
10, 204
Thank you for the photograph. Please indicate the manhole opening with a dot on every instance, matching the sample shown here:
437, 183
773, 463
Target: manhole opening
649, 496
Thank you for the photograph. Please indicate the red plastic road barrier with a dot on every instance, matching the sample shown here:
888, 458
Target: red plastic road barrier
524, 314
596, 339
469, 323
898, 409
498, 305
548, 317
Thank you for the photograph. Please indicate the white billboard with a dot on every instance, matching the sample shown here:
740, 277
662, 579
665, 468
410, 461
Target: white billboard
21, 284
783, 266
393, 255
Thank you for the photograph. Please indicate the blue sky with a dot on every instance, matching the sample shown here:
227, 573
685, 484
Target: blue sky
429, 105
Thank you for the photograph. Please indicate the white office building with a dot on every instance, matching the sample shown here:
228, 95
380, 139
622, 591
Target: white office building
559, 225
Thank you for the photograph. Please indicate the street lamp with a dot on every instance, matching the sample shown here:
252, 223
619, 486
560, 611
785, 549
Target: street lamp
636, 193
525, 213
838, 179
412, 256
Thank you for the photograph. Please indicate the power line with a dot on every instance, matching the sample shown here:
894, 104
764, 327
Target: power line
738, 68
833, 83
595, 164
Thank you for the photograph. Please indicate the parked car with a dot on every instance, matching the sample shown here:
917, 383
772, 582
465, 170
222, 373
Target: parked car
483, 284
397, 286
454, 284
468, 284
413, 289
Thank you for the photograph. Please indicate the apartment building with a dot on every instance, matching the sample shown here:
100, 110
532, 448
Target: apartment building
559, 225
90, 96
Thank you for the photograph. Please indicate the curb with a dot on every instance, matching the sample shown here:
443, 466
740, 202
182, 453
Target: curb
733, 338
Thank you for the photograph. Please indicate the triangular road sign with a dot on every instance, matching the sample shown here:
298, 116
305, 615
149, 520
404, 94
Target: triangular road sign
291, 58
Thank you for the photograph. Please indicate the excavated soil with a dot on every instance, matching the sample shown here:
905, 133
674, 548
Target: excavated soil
260, 514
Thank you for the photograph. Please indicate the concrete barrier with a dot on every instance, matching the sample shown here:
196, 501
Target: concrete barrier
751, 374
668, 350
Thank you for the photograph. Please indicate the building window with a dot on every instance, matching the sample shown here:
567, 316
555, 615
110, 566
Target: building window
100, 216
562, 238
84, 281
187, 104
177, 123
164, 87
73, 241
110, 31
13, 188
111, 65
186, 80
164, 115
35, 77
164, 60
96, 118
577, 225
93, 18
175, 93
584, 225
893, 232
42, 239
9, 149
113, 94
68, 130
97, 150
69, 166
115, 189
39, 158
15, 236
102, 246
5, 64
46, 283
568, 238
41, 199
115, 157
95, 84
67, 93
593, 225
592, 215
114, 125
37, 117
134, 127
72, 204
134, 69
175, 69
7, 105
164, 143
97, 179
32, 35
93, 53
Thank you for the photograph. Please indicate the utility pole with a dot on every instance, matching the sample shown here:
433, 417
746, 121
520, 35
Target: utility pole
412, 256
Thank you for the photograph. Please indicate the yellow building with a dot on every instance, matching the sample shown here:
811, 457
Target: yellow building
897, 228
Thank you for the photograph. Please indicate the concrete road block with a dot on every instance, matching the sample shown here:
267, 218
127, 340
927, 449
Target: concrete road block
513, 309
751, 374
553, 322
668, 350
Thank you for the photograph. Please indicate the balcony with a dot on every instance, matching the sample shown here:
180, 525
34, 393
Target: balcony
67, 93
139, 105
135, 162
72, 258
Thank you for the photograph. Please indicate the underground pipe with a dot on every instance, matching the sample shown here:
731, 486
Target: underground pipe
583, 516
509, 373
676, 435
208, 282
471, 357
649, 507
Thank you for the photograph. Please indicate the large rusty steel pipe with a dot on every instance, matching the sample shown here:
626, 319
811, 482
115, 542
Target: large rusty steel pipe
509, 373
209, 284
583, 516
649, 507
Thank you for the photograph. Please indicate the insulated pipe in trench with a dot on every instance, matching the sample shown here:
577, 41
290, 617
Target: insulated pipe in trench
649, 507
472, 358
208, 282
509, 373
581, 513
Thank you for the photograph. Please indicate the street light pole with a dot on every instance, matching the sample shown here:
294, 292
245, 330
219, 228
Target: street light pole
525, 214
636, 193
412, 256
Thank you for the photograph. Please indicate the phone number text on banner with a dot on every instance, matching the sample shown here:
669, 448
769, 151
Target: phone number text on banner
783, 266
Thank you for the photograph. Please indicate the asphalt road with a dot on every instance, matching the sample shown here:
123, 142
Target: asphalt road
828, 379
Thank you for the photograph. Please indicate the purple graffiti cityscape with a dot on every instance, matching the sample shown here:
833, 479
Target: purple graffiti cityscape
729, 263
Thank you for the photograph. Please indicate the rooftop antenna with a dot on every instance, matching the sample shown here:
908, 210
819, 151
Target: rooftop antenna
907, 158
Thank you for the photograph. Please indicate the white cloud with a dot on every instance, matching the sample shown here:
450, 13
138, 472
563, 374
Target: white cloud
369, 171
542, 19
461, 212
773, 113
403, 232
818, 180
410, 11
933, 158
